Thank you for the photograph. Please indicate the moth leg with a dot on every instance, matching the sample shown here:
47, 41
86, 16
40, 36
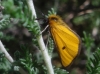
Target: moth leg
44, 29
48, 37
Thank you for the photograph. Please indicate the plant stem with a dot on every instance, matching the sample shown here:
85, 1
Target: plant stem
5, 52
7, 55
46, 56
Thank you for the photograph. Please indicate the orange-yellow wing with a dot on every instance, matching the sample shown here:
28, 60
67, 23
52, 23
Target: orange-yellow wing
66, 40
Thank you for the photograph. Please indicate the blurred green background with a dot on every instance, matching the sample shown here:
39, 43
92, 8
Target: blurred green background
83, 16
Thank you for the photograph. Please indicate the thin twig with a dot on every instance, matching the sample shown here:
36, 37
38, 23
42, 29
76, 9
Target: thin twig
7, 55
5, 52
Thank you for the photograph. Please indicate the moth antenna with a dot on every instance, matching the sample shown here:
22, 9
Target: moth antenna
41, 13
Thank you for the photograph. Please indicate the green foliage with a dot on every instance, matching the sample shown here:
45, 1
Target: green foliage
21, 13
60, 71
88, 42
6, 37
5, 65
80, 19
28, 64
27, 61
52, 11
93, 65
4, 22
95, 2
89, 19
50, 46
